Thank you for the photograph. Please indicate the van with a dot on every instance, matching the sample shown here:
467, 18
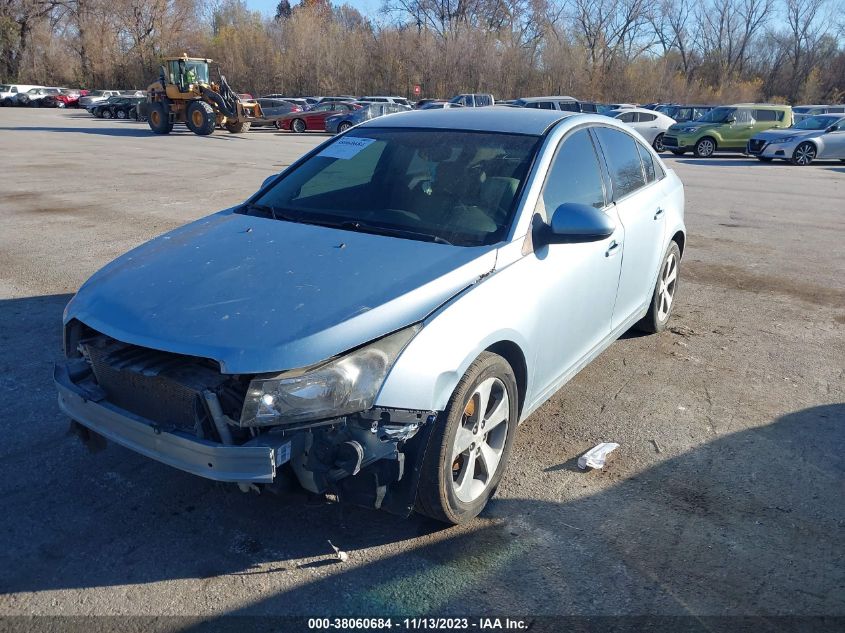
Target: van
726, 128
473, 100
567, 104
9, 93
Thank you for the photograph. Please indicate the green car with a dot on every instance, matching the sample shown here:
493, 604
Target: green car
726, 128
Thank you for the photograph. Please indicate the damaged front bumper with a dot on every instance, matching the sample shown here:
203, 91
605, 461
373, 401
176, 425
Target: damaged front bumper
365, 459
255, 461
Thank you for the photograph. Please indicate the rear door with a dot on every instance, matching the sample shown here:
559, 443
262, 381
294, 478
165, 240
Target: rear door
637, 193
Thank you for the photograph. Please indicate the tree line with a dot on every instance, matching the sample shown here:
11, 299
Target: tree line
619, 50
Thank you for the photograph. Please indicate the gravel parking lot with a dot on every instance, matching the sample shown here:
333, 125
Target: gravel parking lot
724, 498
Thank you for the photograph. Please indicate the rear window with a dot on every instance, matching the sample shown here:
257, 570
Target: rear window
768, 115
642, 117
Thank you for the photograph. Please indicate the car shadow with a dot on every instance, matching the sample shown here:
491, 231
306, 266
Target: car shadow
104, 131
719, 162
745, 523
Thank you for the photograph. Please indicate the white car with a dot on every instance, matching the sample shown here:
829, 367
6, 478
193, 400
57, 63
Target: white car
381, 99
650, 124
9, 93
96, 96
32, 97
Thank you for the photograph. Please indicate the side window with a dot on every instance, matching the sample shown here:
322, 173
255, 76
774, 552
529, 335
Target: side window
648, 163
743, 116
642, 117
568, 106
574, 176
547, 105
623, 161
588, 107
533, 104
766, 115
627, 117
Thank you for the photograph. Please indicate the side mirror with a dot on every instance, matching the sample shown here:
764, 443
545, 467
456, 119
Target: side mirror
573, 222
730, 120
832, 128
268, 180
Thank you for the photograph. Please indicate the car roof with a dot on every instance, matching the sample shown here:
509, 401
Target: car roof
489, 119
548, 98
774, 106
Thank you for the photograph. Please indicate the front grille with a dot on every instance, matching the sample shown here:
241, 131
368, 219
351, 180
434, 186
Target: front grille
670, 141
162, 387
755, 146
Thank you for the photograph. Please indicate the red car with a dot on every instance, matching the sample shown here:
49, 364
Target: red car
314, 119
69, 99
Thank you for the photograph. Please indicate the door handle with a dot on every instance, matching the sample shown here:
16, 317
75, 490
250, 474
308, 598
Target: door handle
658, 213
612, 249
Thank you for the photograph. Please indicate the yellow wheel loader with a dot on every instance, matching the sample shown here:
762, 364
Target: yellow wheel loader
184, 93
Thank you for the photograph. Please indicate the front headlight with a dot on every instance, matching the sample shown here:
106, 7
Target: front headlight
785, 139
344, 385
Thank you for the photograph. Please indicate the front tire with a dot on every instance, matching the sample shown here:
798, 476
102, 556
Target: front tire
705, 147
470, 445
199, 117
665, 290
298, 126
238, 128
804, 154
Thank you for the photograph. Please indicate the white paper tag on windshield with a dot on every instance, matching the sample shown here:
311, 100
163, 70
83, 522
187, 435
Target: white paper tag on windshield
347, 147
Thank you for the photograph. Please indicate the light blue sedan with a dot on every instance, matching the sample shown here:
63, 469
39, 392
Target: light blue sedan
378, 319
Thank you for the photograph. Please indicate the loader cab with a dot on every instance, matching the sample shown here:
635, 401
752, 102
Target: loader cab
185, 72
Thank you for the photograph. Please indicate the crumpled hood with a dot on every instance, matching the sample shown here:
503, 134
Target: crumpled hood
260, 295
772, 135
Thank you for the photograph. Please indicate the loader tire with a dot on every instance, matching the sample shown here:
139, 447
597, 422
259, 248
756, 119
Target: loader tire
199, 118
159, 118
237, 128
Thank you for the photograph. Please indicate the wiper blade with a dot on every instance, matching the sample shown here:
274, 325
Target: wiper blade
363, 227
270, 212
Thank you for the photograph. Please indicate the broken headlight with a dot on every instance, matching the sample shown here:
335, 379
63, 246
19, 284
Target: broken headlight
344, 385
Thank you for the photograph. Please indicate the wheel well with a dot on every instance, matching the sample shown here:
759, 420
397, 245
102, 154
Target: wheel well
679, 238
512, 353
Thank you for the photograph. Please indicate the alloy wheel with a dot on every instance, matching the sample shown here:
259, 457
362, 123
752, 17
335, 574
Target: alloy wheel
666, 287
480, 440
658, 143
705, 148
804, 154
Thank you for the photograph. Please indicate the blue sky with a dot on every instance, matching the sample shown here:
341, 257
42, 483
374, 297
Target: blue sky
367, 7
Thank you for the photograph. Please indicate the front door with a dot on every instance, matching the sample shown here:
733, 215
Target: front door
576, 282
735, 135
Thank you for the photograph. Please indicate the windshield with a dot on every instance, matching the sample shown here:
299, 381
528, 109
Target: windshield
717, 115
816, 123
458, 187
196, 72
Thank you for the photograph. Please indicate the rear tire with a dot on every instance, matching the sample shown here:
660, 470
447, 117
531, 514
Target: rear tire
476, 429
199, 117
705, 147
159, 118
665, 291
120, 114
298, 126
658, 143
343, 127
